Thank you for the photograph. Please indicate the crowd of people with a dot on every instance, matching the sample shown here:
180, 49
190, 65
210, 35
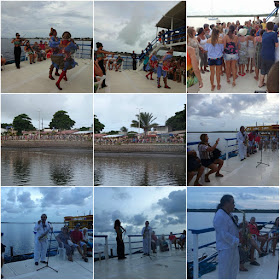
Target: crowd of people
234, 51
141, 140
56, 137
59, 50
150, 240
236, 243
209, 156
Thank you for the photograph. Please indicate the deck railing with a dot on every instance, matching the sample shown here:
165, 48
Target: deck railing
130, 244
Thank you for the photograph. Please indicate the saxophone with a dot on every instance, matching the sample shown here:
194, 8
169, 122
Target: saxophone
244, 233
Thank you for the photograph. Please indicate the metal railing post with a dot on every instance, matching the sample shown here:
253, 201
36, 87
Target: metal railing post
130, 251
106, 248
195, 256
227, 151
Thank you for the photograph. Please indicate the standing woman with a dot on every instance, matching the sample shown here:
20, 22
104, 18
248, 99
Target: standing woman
251, 49
120, 245
18, 42
243, 51
54, 44
231, 54
201, 38
258, 57
100, 57
215, 48
192, 41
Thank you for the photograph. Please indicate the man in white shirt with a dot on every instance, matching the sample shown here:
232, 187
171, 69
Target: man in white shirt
146, 233
241, 139
227, 239
41, 229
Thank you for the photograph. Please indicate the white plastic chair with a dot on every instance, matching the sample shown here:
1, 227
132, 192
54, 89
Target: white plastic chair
61, 252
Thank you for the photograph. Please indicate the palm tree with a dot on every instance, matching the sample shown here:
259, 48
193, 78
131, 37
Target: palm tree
146, 121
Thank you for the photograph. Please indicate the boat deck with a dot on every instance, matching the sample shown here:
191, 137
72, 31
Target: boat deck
267, 269
34, 78
245, 173
163, 265
78, 269
246, 84
130, 81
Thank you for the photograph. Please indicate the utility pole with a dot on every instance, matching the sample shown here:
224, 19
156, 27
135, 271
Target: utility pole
139, 120
39, 125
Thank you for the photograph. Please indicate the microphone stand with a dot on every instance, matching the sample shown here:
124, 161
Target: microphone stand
260, 162
47, 265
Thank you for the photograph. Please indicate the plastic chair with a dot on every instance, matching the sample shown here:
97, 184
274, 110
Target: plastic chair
61, 252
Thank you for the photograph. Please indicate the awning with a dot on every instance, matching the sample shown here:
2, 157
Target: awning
178, 13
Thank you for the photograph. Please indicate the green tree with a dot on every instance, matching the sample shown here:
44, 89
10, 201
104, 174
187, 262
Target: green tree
4, 125
113, 132
22, 122
124, 129
178, 122
83, 128
61, 121
98, 126
146, 121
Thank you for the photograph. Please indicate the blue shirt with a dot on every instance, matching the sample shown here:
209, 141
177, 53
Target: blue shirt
214, 51
268, 45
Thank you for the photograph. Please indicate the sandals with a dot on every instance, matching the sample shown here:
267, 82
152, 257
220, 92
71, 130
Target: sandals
264, 84
243, 269
206, 179
213, 87
219, 175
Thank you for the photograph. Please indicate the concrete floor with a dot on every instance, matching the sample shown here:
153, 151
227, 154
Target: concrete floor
34, 78
129, 81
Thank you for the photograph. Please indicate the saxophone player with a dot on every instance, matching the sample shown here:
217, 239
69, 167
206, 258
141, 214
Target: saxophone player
42, 229
227, 238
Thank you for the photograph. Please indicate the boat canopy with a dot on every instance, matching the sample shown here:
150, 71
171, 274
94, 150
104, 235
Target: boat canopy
174, 18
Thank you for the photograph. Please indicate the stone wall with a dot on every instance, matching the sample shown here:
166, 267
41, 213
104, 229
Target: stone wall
142, 148
47, 144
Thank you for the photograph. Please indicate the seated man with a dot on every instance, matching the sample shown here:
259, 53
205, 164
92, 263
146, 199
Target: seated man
172, 239
247, 248
182, 239
64, 238
274, 236
163, 244
77, 237
254, 229
194, 165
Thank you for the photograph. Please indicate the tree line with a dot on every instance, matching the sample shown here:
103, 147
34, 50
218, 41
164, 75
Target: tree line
61, 121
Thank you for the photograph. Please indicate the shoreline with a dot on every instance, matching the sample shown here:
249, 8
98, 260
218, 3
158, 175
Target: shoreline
47, 144
141, 149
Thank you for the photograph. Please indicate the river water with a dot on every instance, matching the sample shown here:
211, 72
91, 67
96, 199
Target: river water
21, 237
114, 169
46, 167
200, 220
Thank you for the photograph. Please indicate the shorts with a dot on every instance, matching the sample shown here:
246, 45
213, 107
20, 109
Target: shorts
251, 143
216, 61
81, 244
230, 56
266, 65
207, 162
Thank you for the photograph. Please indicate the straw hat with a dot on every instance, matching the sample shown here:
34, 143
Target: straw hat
242, 31
218, 21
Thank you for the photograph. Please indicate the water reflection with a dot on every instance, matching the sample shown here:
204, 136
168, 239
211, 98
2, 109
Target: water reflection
139, 170
46, 167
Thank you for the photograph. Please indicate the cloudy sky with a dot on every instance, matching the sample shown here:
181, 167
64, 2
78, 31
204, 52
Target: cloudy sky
115, 111
128, 25
218, 7
56, 202
164, 208
35, 18
245, 198
78, 106
212, 112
